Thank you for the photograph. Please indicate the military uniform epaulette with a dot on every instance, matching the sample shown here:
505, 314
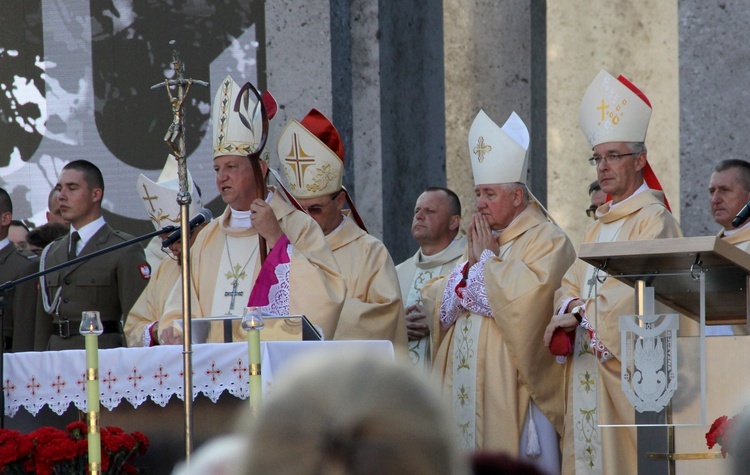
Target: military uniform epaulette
28, 255
122, 235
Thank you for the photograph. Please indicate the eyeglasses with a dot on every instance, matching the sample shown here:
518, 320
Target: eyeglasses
611, 158
317, 209
591, 211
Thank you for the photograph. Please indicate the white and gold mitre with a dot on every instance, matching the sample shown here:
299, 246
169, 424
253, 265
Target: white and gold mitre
312, 155
160, 197
231, 135
613, 110
498, 154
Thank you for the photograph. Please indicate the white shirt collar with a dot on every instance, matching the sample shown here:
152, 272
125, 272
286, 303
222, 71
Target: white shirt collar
729, 232
242, 219
87, 232
341, 224
640, 190
4, 243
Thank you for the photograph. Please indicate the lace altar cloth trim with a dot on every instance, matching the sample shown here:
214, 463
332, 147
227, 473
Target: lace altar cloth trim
57, 378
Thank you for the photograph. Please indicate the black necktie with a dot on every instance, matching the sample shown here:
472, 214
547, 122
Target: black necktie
74, 238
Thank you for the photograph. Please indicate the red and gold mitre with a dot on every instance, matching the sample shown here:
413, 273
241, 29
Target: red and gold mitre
613, 110
312, 154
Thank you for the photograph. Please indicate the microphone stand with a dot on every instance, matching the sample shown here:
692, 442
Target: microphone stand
13, 283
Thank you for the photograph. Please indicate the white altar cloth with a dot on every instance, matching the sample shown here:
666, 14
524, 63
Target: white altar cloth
57, 378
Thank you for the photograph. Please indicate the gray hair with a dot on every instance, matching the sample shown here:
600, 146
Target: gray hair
742, 167
511, 187
352, 413
637, 147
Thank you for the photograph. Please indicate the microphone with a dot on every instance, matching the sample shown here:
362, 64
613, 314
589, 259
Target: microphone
742, 216
203, 216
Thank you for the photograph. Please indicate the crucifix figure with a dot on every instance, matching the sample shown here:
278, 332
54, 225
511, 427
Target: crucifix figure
235, 274
234, 293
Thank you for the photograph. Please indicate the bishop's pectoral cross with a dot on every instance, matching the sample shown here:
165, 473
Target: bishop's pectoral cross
236, 274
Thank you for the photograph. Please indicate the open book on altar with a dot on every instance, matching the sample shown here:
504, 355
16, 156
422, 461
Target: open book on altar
277, 328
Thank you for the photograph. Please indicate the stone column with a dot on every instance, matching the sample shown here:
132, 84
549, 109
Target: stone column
713, 88
412, 113
489, 47
298, 62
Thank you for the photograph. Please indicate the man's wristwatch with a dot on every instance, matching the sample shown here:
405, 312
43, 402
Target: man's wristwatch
578, 313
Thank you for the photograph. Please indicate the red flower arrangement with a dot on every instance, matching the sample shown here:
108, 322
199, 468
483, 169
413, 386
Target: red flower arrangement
719, 434
48, 451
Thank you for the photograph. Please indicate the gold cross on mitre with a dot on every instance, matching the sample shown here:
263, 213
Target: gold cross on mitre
481, 149
602, 108
149, 198
298, 159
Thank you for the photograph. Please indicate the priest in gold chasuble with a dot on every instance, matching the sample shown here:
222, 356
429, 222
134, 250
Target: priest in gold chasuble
160, 200
505, 387
312, 155
300, 275
614, 117
729, 192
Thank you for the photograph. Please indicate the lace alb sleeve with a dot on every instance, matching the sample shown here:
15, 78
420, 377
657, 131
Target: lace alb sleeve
475, 295
450, 308
278, 295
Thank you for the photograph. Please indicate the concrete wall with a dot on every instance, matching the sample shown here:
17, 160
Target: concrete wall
714, 71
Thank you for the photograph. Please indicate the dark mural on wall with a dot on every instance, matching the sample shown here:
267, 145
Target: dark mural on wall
76, 77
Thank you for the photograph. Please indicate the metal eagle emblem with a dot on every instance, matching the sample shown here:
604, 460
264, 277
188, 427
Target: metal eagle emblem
649, 360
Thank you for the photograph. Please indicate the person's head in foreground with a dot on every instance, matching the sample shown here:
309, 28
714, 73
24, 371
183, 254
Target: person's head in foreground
352, 414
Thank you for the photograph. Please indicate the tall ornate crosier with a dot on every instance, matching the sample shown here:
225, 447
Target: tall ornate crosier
48, 451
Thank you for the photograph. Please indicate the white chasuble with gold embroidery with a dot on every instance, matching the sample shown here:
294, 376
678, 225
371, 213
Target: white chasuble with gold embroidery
489, 362
234, 277
465, 351
588, 443
311, 273
413, 274
420, 352
594, 387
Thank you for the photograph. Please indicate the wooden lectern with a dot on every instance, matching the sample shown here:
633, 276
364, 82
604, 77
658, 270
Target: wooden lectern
726, 268
673, 267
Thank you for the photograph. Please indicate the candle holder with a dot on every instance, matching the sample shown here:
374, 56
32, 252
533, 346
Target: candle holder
252, 322
91, 327
252, 319
91, 323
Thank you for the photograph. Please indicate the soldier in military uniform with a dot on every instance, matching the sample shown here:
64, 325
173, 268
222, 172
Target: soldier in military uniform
18, 321
110, 283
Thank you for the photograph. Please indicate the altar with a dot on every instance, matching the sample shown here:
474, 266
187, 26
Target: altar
142, 389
